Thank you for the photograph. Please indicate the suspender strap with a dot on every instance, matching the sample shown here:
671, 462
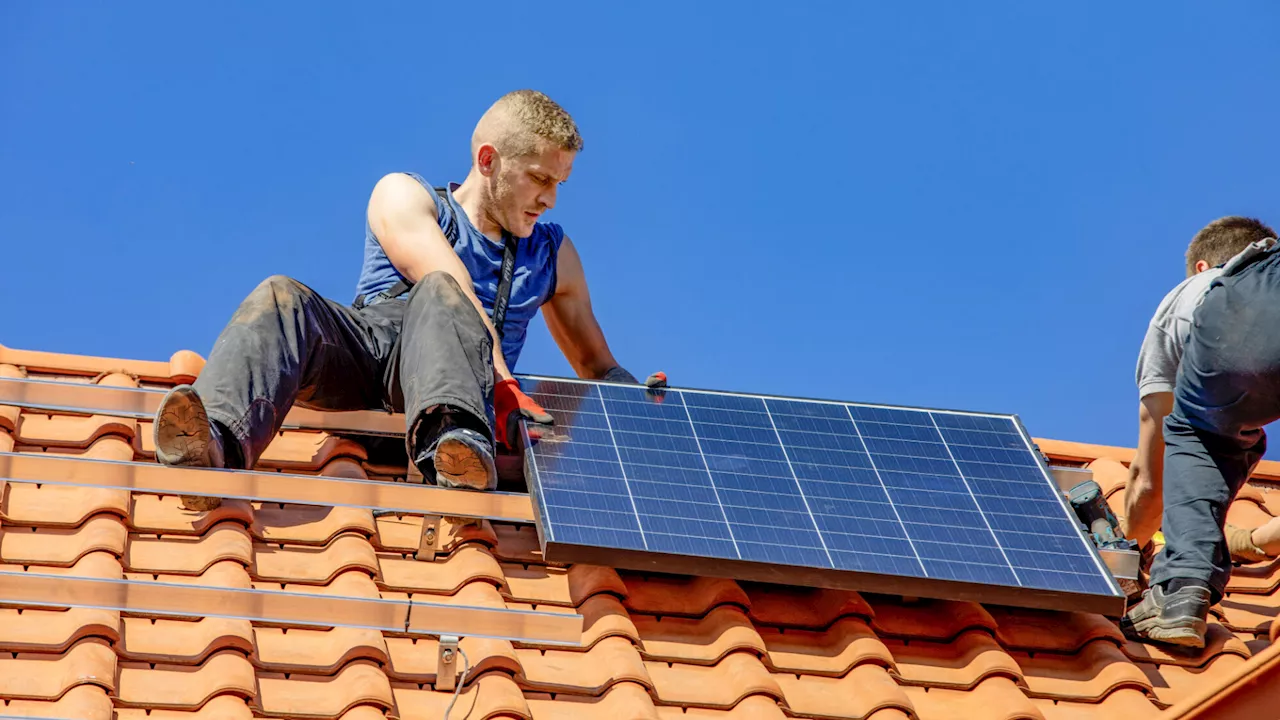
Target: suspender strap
508, 271
505, 276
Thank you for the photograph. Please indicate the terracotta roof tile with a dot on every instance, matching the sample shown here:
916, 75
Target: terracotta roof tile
492, 695
222, 707
83, 702
604, 616
516, 543
359, 683
865, 691
227, 573
938, 620
610, 660
996, 698
163, 515
1123, 704
174, 554
687, 596
290, 650
793, 606
295, 451
721, 685
702, 640
47, 676
185, 642
94, 564
296, 564
308, 524
186, 686
464, 565
558, 586
1091, 674
849, 642
69, 431
61, 546
622, 700
1045, 631
1173, 682
756, 707
1247, 613
53, 631
961, 663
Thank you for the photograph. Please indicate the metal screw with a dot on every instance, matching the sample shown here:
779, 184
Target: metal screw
446, 656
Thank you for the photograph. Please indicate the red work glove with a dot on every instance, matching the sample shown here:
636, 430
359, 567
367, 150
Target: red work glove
509, 405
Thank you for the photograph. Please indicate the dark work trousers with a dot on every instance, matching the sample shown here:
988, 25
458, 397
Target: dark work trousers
287, 344
1228, 387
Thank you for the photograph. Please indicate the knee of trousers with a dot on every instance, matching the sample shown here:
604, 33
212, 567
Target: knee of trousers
439, 292
272, 297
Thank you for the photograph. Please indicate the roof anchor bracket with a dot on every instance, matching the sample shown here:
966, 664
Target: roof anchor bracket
429, 542
447, 664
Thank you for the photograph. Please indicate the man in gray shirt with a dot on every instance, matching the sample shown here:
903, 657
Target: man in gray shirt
1191, 571
1226, 241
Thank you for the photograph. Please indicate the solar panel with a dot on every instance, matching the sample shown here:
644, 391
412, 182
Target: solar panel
898, 500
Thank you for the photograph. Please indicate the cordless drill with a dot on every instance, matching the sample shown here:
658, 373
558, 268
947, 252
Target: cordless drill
1092, 509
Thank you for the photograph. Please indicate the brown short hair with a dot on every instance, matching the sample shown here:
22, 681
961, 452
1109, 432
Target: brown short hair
1223, 238
521, 118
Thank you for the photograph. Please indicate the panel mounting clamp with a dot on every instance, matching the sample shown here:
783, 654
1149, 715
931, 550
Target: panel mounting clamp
447, 664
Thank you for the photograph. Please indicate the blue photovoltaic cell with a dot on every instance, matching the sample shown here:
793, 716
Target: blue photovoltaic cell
894, 491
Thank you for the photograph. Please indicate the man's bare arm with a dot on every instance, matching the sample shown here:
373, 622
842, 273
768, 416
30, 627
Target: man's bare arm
402, 215
571, 320
1144, 495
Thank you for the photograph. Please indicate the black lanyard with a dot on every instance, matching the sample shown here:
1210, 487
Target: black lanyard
505, 275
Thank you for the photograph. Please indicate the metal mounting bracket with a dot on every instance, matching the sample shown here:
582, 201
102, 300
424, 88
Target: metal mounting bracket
429, 542
447, 664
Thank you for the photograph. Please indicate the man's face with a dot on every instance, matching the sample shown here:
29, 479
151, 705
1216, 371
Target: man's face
525, 187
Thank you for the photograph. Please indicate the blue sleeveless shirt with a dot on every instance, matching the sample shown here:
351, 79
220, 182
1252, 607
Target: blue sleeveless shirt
532, 284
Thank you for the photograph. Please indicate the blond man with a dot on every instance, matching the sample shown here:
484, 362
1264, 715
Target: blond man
451, 278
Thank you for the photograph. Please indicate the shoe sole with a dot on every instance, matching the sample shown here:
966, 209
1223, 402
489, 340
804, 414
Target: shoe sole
1189, 634
459, 465
182, 439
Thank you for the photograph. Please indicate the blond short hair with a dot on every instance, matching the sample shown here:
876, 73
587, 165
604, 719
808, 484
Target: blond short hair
519, 120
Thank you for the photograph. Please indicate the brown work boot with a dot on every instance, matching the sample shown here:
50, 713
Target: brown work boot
1240, 543
455, 456
184, 437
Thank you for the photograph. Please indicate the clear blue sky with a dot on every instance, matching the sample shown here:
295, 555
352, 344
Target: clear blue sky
920, 204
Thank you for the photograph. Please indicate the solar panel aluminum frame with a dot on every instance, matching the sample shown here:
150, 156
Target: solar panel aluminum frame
840, 579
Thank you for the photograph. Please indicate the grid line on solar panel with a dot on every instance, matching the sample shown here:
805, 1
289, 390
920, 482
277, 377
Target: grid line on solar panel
624, 471
723, 514
885, 489
985, 522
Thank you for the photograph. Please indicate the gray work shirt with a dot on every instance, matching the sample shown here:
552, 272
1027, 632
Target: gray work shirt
1162, 347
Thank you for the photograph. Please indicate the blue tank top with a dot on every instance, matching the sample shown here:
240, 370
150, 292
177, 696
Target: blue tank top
533, 283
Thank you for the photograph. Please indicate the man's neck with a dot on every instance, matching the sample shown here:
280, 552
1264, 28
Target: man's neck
473, 197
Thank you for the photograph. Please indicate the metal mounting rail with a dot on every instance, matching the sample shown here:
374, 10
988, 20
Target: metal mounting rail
289, 608
141, 403
374, 495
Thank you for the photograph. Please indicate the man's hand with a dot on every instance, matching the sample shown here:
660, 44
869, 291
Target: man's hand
510, 404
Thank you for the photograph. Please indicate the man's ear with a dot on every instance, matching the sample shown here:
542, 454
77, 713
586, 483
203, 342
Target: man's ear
487, 159
1201, 266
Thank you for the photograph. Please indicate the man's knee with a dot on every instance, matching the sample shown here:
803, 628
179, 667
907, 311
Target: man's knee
277, 295
440, 289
